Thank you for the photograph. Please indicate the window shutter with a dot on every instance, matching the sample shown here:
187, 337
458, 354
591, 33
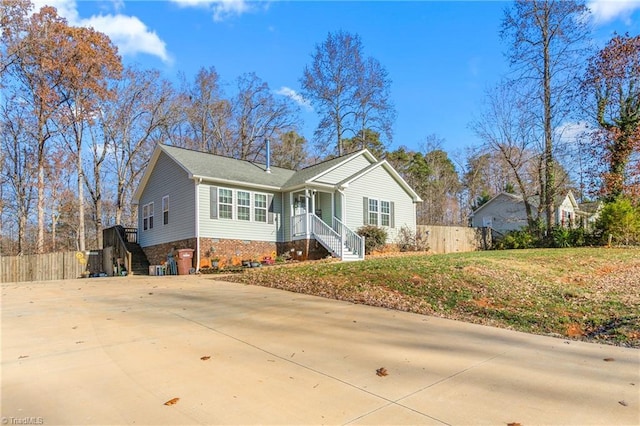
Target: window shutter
365, 209
270, 212
213, 202
392, 213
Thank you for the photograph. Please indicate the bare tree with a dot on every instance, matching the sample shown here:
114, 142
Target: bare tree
375, 111
17, 166
132, 123
289, 150
34, 73
258, 115
206, 113
507, 129
547, 45
91, 63
350, 92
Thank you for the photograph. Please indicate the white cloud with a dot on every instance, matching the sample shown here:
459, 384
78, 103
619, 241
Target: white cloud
608, 10
66, 8
573, 132
295, 96
128, 33
221, 9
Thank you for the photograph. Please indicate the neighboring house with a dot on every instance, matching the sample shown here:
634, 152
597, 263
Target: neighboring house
506, 212
224, 207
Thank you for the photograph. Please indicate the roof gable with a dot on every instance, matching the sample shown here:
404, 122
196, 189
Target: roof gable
509, 197
219, 169
391, 171
316, 171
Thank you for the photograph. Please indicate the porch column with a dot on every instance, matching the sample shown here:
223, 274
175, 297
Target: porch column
307, 205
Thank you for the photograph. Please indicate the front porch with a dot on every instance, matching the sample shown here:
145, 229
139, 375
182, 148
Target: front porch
315, 216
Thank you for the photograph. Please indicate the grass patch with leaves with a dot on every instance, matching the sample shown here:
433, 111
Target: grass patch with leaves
583, 293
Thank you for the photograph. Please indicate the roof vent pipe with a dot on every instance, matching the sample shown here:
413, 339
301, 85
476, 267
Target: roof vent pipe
268, 157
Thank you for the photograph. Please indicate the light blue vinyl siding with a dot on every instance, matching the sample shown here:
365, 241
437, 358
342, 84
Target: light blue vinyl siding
239, 229
168, 179
378, 184
345, 170
286, 215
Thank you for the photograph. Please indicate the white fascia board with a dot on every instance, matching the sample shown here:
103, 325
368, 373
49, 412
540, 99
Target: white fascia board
394, 174
207, 179
364, 152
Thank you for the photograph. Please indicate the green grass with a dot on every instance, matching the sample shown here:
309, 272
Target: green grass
586, 293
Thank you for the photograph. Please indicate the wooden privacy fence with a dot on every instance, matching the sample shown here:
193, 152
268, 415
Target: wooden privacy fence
49, 266
452, 239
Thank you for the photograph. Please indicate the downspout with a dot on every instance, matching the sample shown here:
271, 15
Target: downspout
197, 223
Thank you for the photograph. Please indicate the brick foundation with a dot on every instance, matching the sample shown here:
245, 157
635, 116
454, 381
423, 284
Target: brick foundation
158, 254
311, 249
234, 251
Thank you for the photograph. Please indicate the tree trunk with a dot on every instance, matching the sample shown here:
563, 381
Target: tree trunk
549, 183
81, 225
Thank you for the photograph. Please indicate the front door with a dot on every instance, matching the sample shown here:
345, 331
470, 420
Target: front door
299, 220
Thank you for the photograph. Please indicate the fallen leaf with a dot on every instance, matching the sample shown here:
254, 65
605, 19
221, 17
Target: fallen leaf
381, 372
172, 401
204, 358
608, 359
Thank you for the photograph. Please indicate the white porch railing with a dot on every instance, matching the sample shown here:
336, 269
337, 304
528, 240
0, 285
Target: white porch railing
351, 240
341, 241
326, 236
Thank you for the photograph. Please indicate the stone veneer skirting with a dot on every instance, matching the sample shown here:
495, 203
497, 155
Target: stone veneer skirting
237, 249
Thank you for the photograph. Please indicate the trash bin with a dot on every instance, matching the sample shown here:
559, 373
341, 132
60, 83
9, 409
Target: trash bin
184, 261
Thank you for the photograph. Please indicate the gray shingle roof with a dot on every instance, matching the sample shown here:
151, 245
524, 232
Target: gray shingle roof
303, 175
218, 168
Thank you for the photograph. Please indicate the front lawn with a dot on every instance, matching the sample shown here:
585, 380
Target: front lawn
584, 293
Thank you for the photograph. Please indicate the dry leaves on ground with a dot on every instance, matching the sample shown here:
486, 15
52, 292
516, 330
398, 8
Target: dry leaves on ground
172, 401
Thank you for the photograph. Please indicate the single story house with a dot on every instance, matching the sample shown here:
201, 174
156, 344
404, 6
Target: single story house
506, 212
227, 208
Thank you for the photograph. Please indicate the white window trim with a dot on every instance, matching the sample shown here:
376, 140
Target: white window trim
375, 212
235, 206
382, 214
165, 209
379, 213
255, 208
242, 206
232, 204
147, 216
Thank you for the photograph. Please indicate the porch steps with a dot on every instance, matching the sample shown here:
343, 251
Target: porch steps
139, 262
331, 242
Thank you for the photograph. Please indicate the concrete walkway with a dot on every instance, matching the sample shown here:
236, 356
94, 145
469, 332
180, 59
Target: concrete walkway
114, 350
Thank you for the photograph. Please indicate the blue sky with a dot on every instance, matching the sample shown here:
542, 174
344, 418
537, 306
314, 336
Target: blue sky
441, 56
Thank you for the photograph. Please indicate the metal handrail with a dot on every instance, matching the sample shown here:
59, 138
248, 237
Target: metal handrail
326, 235
352, 241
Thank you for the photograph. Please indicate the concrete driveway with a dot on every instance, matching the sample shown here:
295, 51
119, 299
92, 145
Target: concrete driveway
114, 350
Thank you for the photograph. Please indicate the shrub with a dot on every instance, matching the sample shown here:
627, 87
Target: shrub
620, 220
519, 239
408, 240
561, 237
374, 237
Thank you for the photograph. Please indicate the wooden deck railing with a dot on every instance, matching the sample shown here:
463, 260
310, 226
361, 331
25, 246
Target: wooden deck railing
117, 237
